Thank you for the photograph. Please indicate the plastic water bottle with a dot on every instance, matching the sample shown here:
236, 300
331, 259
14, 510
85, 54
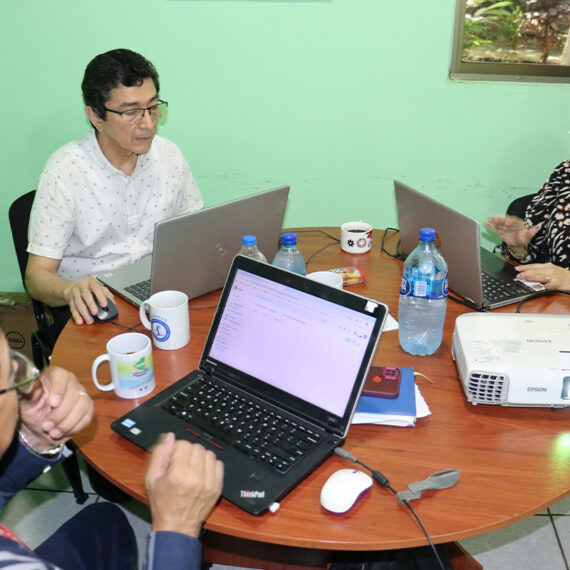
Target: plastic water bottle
289, 257
423, 297
249, 248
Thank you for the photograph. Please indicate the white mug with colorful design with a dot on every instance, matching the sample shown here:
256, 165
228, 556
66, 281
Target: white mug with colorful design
130, 360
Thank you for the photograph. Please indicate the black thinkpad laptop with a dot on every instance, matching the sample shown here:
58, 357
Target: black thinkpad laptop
277, 385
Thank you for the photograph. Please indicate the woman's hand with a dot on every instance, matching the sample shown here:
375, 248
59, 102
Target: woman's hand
553, 276
512, 230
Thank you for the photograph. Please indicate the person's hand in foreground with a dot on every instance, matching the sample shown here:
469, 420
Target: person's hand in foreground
183, 482
57, 408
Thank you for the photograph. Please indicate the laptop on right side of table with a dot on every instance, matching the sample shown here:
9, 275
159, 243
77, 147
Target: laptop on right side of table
483, 278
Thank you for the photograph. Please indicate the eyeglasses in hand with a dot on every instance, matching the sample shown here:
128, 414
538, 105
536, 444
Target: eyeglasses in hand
23, 376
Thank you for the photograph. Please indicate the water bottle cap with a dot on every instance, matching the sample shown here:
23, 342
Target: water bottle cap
289, 238
248, 240
427, 234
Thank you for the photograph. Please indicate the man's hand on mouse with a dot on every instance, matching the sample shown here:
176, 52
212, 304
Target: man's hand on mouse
82, 298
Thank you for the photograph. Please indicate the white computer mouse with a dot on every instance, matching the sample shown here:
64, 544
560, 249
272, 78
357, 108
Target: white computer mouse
343, 489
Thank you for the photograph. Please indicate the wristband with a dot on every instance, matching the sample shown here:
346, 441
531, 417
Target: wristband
517, 251
49, 453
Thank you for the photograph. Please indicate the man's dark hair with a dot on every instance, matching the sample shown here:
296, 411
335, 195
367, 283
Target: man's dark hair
111, 69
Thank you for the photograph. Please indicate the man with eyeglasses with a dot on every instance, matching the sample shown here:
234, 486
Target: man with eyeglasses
39, 412
100, 196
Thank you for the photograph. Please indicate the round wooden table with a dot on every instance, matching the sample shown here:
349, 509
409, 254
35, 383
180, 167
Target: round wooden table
514, 462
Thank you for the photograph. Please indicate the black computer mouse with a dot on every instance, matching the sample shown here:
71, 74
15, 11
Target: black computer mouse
107, 313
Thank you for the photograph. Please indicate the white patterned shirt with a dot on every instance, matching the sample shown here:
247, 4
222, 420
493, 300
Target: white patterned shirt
95, 217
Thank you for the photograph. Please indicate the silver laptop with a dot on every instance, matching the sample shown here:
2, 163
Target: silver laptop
481, 277
193, 252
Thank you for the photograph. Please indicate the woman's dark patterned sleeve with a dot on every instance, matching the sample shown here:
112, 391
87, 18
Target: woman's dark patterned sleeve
550, 211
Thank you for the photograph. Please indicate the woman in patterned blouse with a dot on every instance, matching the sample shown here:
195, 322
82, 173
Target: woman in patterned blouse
541, 242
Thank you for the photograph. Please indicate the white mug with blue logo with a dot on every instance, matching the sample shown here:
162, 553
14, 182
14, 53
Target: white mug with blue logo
169, 319
130, 360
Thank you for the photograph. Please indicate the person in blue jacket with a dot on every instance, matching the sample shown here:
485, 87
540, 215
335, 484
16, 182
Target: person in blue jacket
39, 412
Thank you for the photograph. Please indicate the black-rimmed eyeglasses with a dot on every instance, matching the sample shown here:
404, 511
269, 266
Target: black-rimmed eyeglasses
131, 116
24, 374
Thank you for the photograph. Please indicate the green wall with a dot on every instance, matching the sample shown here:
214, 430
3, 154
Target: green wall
334, 97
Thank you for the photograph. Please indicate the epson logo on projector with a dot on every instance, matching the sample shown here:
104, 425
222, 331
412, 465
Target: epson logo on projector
535, 389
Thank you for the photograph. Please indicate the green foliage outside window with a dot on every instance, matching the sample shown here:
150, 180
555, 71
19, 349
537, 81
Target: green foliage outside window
485, 23
518, 31
511, 40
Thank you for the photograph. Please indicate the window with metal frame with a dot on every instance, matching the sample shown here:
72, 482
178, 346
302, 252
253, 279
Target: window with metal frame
511, 40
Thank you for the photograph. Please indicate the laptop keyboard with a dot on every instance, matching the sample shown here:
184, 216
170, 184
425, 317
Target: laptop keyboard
261, 433
140, 290
496, 290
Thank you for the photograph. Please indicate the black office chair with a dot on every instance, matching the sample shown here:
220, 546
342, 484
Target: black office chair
518, 206
50, 322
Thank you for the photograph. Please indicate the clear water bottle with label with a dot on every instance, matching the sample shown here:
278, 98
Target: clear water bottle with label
423, 297
289, 257
249, 248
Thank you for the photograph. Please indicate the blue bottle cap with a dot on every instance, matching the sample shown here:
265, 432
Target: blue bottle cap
289, 238
248, 240
427, 234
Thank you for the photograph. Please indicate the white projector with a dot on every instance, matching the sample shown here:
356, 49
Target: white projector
513, 359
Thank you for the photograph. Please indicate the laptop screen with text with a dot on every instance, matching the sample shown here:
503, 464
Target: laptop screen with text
313, 329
